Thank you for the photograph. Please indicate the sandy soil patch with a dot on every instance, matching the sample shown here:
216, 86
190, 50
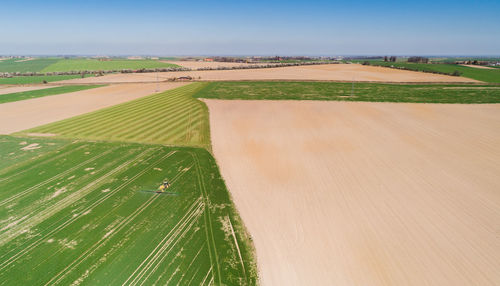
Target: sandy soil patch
347, 193
479, 67
333, 72
21, 115
13, 89
197, 65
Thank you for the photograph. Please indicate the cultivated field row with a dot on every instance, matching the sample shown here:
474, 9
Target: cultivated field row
173, 117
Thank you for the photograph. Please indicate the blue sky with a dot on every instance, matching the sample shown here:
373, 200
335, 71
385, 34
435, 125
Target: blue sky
440, 27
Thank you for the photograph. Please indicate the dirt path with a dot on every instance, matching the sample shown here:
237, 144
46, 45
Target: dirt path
333, 72
340, 193
21, 115
13, 89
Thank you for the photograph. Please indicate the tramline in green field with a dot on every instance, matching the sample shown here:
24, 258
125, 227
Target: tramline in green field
79, 213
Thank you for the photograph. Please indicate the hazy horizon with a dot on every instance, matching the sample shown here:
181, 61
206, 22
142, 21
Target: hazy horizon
328, 28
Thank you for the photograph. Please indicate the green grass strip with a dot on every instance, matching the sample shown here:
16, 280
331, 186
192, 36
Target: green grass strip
421, 93
38, 79
486, 75
10, 97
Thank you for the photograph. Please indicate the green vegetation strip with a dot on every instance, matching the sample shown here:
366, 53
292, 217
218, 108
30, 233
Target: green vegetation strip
352, 92
65, 65
173, 117
24, 65
486, 75
37, 79
43, 92
87, 213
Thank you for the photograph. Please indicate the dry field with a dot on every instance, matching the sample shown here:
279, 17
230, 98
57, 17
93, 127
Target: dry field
339, 193
334, 72
21, 115
196, 64
13, 89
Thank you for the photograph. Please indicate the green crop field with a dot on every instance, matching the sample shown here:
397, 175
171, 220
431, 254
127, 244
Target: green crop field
87, 213
173, 117
349, 92
486, 75
43, 92
18, 65
96, 65
455, 59
38, 79
10, 155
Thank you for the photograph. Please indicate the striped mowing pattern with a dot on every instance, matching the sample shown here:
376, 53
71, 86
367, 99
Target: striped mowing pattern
173, 117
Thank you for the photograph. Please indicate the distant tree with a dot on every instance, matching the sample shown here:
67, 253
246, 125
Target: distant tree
392, 59
385, 59
418, 60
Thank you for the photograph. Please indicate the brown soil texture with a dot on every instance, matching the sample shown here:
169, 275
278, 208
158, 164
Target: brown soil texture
196, 64
349, 193
25, 114
333, 72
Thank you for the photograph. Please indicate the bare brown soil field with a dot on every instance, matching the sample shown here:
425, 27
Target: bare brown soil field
334, 72
21, 115
478, 67
196, 64
13, 89
349, 193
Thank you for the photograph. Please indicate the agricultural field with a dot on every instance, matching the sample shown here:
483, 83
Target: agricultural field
45, 65
76, 212
486, 75
10, 155
431, 93
26, 65
364, 193
173, 117
43, 92
25, 114
39, 79
96, 65
453, 60
330, 72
